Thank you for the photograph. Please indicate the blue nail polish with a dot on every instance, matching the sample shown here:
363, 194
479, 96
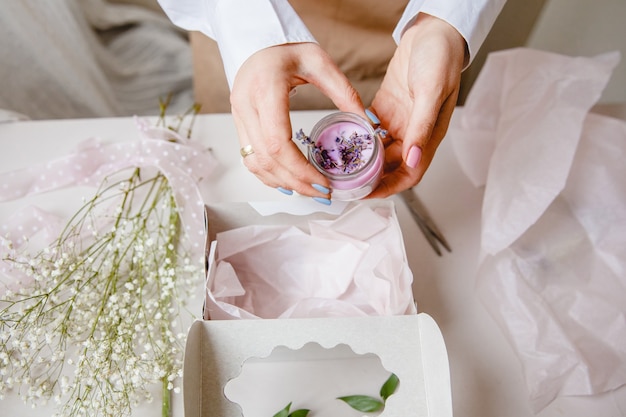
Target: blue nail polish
284, 190
372, 117
321, 188
321, 200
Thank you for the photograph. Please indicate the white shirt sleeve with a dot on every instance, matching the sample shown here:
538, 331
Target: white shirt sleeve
473, 19
243, 27
240, 27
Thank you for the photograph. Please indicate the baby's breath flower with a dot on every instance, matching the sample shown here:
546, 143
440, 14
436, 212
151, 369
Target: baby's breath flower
92, 329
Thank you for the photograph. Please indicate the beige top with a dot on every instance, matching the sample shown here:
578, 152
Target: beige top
356, 34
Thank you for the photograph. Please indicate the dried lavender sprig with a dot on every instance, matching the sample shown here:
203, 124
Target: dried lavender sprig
347, 155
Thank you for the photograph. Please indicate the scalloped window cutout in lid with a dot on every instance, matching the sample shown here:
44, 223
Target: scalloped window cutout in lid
310, 378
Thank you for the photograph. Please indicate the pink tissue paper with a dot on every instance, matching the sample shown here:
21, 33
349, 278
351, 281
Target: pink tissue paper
553, 267
350, 266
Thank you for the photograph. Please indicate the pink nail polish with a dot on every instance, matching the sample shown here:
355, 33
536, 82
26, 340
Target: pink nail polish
414, 156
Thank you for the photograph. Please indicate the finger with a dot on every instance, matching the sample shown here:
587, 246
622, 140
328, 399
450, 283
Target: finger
277, 128
264, 123
251, 161
430, 144
397, 176
394, 182
324, 74
290, 164
445, 115
421, 123
244, 104
393, 155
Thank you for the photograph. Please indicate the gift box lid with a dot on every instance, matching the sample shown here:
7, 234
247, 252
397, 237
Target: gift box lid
410, 346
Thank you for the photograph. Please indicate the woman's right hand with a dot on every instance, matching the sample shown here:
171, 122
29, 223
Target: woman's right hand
260, 108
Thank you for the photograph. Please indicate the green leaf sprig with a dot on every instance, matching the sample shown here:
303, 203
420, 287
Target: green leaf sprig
368, 404
296, 413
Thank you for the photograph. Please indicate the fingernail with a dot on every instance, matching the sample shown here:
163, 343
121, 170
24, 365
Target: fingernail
321, 200
284, 190
414, 156
372, 117
321, 188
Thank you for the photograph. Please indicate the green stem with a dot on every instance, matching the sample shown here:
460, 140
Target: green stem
166, 409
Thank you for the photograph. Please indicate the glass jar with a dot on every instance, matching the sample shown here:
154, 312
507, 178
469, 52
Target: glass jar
349, 152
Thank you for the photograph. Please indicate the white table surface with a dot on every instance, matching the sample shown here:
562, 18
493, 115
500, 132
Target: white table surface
487, 377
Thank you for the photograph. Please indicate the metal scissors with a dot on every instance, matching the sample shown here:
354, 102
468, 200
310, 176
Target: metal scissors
424, 221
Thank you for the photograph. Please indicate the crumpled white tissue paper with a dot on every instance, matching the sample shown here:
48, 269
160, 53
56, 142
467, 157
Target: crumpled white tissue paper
553, 235
352, 266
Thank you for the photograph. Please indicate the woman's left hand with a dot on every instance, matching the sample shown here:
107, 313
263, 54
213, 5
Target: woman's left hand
416, 100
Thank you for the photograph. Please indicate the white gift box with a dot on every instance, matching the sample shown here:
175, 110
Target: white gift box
256, 366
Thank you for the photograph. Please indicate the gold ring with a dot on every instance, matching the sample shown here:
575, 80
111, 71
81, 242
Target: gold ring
246, 150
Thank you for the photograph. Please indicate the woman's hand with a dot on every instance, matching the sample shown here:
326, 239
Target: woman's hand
260, 108
416, 100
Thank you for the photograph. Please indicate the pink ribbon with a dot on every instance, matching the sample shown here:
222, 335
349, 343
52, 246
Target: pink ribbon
183, 162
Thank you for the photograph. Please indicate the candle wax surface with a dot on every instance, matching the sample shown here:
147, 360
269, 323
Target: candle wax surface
327, 141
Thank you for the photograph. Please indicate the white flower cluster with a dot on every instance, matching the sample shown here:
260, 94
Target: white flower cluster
96, 324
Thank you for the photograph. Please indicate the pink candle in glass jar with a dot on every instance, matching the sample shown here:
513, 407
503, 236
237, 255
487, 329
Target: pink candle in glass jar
349, 152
